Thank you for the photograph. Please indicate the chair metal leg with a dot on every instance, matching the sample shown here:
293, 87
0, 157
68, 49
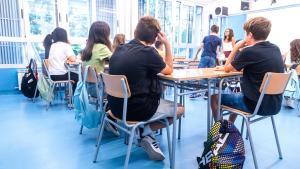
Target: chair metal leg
99, 140
81, 128
179, 128
276, 137
129, 147
242, 127
169, 140
251, 143
35, 91
101, 122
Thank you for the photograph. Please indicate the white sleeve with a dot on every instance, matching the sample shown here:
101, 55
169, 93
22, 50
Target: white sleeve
69, 50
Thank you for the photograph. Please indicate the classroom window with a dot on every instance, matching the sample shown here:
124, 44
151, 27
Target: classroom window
41, 16
78, 17
106, 11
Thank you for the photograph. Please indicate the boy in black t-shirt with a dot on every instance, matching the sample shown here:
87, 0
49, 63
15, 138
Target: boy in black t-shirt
141, 63
256, 58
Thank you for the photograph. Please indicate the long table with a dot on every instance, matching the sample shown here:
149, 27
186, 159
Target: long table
183, 75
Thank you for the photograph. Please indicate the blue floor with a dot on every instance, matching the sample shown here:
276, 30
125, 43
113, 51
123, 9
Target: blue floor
33, 138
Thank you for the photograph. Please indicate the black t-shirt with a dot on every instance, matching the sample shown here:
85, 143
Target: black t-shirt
140, 64
257, 60
210, 44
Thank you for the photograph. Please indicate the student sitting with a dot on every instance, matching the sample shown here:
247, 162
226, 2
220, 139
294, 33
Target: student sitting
257, 57
118, 40
60, 53
98, 46
141, 63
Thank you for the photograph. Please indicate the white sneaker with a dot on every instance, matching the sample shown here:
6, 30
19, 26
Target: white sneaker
111, 128
151, 147
290, 103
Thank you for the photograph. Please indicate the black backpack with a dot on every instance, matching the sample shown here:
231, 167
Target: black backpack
29, 80
224, 148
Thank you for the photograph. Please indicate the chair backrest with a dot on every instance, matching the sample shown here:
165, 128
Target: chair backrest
116, 85
274, 83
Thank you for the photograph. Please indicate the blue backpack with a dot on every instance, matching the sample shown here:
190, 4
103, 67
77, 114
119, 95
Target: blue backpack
85, 112
223, 149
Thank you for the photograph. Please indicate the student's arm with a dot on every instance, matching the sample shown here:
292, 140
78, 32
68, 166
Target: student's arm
168, 54
233, 41
199, 49
228, 67
70, 54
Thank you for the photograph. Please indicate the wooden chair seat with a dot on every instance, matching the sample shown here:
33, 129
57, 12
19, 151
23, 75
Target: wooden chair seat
119, 120
226, 108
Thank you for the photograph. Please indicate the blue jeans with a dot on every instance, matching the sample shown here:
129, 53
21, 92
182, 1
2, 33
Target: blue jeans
207, 62
235, 101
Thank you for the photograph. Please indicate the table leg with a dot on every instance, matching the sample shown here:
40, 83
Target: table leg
208, 105
219, 115
174, 128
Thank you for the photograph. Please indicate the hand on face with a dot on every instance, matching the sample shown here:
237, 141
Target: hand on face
162, 37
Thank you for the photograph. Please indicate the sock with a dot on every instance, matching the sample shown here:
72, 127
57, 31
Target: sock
147, 131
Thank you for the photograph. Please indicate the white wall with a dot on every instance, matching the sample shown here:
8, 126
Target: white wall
284, 16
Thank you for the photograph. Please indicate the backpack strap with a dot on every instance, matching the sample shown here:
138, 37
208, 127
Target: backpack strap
85, 73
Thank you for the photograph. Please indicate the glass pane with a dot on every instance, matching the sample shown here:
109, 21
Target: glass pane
106, 11
165, 16
152, 6
11, 52
142, 8
182, 52
79, 17
41, 16
190, 23
177, 22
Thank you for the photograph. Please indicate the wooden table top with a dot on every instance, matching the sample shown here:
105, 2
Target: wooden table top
197, 74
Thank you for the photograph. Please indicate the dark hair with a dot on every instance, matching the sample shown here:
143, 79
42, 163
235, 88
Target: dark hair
230, 34
60, 35
119, 39
47, 44
157, 44
214, 28
147, 29
99, 33
260, 27
295, 50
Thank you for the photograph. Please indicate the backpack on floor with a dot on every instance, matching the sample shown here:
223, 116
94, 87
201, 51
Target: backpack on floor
29, 80
223, 149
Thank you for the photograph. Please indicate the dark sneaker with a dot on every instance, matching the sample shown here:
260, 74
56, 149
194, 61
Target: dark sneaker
151, 147
111, 128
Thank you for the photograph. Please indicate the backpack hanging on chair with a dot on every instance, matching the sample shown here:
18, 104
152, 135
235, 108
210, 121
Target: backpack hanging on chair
85, 112
29, 80
223, 149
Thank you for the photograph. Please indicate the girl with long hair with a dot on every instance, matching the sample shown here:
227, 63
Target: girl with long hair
98, 47
228, 42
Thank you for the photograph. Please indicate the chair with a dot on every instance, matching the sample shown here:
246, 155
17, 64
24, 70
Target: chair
117, 86
92, 79
53, 83
273, 83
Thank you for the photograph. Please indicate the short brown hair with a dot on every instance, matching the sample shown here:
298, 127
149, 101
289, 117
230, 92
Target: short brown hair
147, 29
260, 27
214, 28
